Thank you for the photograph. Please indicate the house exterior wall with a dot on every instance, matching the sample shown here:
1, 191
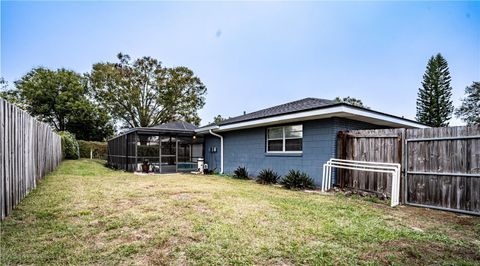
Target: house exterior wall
246, 147
212, 158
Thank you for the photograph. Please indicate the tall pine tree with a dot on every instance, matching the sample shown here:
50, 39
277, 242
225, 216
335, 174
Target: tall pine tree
434, 103
469, 111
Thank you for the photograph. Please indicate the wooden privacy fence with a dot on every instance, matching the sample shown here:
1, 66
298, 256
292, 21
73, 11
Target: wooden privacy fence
441, 166
380, 145
28, 151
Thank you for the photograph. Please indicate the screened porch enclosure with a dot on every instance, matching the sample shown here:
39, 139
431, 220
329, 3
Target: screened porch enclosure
155, 151
167, 153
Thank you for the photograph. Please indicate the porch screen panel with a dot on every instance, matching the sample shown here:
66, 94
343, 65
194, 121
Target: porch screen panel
148, 153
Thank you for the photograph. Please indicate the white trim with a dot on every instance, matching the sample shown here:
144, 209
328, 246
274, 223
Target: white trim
335, 111
283, 138
283, 152
205, 129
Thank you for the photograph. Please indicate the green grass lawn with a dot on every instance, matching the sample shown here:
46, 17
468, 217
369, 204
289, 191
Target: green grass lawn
84, 213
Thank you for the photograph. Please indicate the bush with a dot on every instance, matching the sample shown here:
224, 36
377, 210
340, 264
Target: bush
70, 148
99, 149
267, 176
297, 180
240, 173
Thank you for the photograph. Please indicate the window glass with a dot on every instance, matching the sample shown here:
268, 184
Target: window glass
285, 139
275, 133
293, 131
275, 145
293, 145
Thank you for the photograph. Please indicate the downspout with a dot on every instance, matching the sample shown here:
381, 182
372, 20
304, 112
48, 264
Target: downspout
221, 149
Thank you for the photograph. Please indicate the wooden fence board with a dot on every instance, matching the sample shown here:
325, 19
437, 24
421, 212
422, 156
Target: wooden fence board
425, 155
454, 157
28, 151
369, 145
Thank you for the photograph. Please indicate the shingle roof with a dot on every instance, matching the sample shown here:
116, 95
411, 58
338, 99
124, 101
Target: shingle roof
291, 107
177, 125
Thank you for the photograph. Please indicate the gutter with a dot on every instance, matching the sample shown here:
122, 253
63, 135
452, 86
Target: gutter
221, 149
205, 129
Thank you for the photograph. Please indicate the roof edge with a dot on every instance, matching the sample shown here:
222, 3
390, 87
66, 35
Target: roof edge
336, 108
325, 107
152, 129
206, 129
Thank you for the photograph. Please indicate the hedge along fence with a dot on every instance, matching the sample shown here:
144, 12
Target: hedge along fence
70, 149
93, 149
28, 151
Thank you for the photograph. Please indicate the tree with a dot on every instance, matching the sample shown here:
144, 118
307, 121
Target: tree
143, 93
60, 98
217, 119
8, 94
469, 111
434, 104
351, 101
3, 84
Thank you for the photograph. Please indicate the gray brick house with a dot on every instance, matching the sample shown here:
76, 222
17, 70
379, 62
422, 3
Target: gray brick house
298, 135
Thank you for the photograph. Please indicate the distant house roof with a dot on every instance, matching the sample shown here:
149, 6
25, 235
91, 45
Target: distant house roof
308, 109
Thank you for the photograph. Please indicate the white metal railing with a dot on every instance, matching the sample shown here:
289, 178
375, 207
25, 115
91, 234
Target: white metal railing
377, 167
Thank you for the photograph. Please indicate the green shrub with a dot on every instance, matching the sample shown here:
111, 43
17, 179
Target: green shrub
297, 180
99, 149
267, 176
240, 173
70, 148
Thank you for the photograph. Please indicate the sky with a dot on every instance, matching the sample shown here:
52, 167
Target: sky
253, 55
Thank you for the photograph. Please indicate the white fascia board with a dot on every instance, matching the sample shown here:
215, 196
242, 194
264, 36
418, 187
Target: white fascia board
336, 111
382, 117
206, 129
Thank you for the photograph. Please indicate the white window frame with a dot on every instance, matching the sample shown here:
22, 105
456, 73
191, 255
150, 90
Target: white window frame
283, 138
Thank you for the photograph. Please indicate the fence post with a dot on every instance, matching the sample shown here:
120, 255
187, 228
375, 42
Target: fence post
401, 143
342, 153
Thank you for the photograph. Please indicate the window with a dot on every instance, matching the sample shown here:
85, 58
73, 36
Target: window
286, 139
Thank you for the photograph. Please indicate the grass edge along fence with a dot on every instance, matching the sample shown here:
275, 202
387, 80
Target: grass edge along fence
29, 150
